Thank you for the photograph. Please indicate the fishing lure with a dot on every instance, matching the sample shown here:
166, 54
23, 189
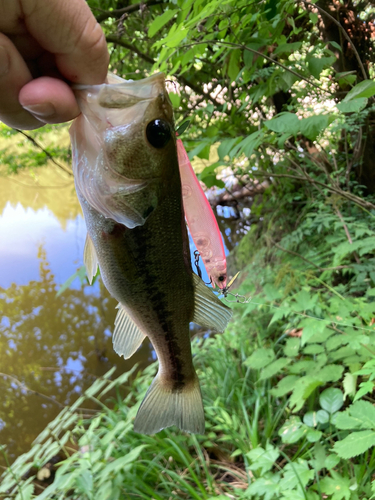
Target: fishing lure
202, 223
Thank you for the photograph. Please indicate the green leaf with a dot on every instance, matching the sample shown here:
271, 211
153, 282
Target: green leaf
198, 149
362, 89
285, 385
302, 390
295, 474
260, 358
316, 64
182, 128
234, 64
313, 435
349, 384
251, 142
319, 456
355, 444
310, 419
292, 430
364, 411
25, 492
331, 461
173, 40
336, 45
313, 17
364, 388
330, 373
122, 462
274, 368
211, 180
312, 126
284, 123
85, 481
352, 106
81, 274
175, 99
303, 300
263, 459
342, 420
313, 349
310, 328
322, 417
291, 347
331, 400
204, 153
267, 486
288, 48
337, 486
225, 147
160, 21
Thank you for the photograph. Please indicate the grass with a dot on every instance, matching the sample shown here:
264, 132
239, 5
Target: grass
286, 413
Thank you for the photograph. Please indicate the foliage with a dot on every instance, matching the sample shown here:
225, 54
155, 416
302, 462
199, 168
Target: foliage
275, 91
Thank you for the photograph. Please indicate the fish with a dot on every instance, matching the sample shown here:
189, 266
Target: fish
128, 183
202, 222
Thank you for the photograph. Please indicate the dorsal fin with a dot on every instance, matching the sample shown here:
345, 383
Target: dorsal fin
127, 337
209, 311
90, 259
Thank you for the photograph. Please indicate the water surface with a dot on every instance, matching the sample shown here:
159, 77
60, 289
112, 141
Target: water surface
51, 348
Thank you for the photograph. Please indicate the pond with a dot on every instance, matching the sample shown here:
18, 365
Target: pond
52, 347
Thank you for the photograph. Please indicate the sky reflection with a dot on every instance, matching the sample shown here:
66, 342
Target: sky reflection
24, 230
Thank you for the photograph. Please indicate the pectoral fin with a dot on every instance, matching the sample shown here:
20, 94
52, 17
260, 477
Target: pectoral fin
209, 311
90, 259
127, 337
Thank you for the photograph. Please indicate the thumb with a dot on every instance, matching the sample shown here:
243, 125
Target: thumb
68, 29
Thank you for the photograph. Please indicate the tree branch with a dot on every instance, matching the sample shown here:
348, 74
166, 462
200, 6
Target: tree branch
365, 77
150, 60
260, 54
119, 41
126, 10
349, 196
36, 144
308, 261
36, 393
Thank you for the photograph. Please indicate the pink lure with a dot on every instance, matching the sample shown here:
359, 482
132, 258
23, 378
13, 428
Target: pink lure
201, 221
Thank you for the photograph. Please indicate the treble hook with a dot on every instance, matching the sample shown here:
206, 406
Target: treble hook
196, 263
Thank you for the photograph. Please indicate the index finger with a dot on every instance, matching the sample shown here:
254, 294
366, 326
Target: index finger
68, 29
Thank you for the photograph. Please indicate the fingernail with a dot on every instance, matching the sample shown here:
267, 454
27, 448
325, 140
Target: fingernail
4, 61
45, 109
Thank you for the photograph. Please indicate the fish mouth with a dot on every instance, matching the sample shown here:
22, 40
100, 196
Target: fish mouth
120, 94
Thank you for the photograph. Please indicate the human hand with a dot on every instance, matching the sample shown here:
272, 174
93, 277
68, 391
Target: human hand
45, 45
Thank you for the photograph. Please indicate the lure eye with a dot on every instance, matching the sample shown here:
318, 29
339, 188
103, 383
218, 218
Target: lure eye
158, 133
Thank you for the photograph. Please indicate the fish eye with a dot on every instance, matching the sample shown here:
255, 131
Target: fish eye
158, 133
221, 278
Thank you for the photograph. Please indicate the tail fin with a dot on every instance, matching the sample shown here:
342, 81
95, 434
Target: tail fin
163, 407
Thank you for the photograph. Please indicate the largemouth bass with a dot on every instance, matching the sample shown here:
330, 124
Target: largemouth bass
128, 183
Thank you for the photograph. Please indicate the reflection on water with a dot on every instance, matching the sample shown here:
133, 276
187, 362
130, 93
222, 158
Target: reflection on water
51, 348
54, 346
23, 230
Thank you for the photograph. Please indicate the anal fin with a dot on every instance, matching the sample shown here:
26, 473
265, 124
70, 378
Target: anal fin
127, 337
209, 311
90, 259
